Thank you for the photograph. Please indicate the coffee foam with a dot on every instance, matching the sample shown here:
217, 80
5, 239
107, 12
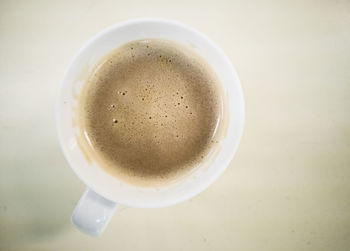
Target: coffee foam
150, 111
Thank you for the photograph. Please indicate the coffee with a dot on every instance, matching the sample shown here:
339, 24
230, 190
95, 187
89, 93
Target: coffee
150, 111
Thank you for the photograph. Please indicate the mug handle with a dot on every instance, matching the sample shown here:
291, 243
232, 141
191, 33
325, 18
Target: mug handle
93, 213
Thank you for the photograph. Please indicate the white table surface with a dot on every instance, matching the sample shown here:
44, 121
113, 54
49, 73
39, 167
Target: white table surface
288, 187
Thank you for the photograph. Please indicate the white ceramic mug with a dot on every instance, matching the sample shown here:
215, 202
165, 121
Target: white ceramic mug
105, 192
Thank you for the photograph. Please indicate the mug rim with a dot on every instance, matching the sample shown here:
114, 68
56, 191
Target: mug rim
217, 50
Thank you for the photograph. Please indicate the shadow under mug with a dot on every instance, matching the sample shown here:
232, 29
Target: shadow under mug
104, 192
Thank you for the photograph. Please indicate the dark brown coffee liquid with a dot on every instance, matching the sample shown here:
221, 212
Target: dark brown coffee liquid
149, 111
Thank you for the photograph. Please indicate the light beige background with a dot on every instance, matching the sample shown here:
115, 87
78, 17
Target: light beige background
288, 188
